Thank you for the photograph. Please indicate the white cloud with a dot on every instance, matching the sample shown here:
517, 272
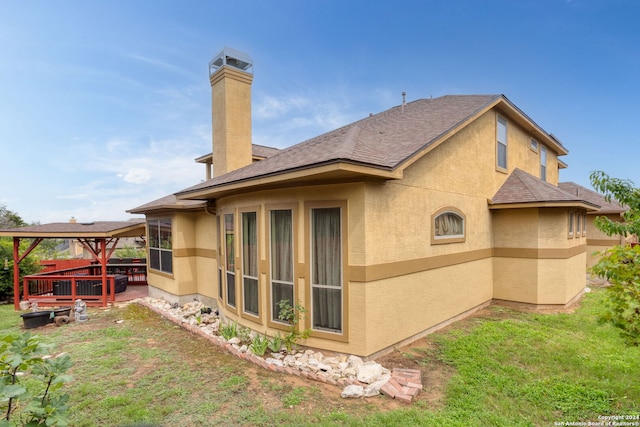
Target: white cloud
137, 176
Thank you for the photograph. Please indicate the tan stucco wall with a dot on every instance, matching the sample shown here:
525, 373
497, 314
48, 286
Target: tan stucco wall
397, 282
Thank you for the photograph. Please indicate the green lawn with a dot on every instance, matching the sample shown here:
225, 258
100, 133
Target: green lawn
509, 369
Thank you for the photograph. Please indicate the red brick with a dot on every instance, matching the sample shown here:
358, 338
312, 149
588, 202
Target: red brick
403, 398
415, 385
395, 383
389, 390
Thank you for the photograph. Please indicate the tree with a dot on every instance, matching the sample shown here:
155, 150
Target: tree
620, 265
10, 219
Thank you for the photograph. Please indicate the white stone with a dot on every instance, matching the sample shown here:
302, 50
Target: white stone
352, 391
373, 389
369, 373
354, 361
323, 367
234, 340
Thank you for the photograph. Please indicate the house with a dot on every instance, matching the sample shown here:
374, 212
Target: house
384, 229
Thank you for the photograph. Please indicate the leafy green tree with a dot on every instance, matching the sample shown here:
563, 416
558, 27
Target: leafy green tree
30, 265
620, 265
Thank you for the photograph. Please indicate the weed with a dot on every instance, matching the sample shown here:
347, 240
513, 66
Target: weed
229, 330
291, 315
259, 345
294, 397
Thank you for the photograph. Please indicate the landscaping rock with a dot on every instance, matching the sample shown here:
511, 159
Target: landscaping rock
369, 373
352, 392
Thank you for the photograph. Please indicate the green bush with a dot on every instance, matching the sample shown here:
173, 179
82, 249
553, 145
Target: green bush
30, 382
620, 265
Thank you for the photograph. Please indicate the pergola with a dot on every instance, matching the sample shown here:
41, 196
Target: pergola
99, 238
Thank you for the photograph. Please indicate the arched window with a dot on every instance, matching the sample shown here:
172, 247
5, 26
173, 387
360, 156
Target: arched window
448, 226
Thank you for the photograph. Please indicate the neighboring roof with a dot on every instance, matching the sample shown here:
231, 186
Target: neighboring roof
132, 228
378, 145
167, 203
258, 152
525, 190
605, 207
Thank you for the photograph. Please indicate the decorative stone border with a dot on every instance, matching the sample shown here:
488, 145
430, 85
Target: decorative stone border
364, 379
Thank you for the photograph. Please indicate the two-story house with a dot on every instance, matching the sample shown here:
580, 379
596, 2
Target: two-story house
384, 229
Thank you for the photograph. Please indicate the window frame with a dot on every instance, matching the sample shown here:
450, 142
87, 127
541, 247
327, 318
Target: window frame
543, 163
161, 251
272, 316
256, 317
534, 145
571, 223
343, 334
456, 238
225, 260
500, 120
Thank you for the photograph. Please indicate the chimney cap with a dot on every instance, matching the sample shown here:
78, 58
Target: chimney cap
231, 58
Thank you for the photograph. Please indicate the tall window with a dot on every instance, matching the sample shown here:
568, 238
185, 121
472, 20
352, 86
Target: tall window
160, 247
230, 263
543, 163
281, 253
220, 282
250, 263
571, 223
501, 138
326, 269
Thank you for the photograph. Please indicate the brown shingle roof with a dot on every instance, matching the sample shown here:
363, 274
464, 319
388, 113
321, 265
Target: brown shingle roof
383, 140
169, 202
521, 187
134, 227
605, 207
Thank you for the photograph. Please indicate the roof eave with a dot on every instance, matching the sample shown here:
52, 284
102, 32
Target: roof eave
318, 173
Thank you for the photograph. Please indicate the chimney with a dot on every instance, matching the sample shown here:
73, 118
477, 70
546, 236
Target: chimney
230, 73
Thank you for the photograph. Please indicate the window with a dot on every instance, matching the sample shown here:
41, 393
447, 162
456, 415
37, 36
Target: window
250, 297
534, 145
220, 282
578, 224
501, 137
448, 226
543, 163
230, 264
326, 269
160, 247
281, 254
571, 224
584, 224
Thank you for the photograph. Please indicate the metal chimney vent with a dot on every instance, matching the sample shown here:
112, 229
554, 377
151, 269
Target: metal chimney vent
231, 58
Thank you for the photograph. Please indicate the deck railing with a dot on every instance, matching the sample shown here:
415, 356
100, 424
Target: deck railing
65, 286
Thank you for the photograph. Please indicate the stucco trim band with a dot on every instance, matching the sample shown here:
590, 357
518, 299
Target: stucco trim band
370, 273
190, 252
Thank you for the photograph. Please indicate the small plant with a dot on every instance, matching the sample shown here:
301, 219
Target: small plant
229, 330
291, 315
244, 334
30, 382
259, 345
275, 343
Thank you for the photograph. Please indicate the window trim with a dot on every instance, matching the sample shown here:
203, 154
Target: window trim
342, 336
225, 271
571, 224
543, 154
534, 145
160, 250
240, 265
440, 240
584, 224
502, 120
294, 241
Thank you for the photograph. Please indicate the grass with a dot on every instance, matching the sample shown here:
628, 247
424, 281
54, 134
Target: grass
509, 369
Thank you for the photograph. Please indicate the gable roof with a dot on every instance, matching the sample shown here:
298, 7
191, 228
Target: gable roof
606, 207
258, 152
525, 190
378, 146
131, 228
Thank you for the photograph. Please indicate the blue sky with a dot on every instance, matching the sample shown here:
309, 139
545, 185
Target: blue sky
104, 105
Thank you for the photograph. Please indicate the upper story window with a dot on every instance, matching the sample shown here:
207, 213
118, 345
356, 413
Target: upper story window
543, 163
571, 224
534, 145
501, 145
160, 246
448, 226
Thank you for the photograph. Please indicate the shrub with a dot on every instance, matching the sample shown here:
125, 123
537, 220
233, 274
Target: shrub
30, 382
229, 330
291, 315
620, 265
259, 345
